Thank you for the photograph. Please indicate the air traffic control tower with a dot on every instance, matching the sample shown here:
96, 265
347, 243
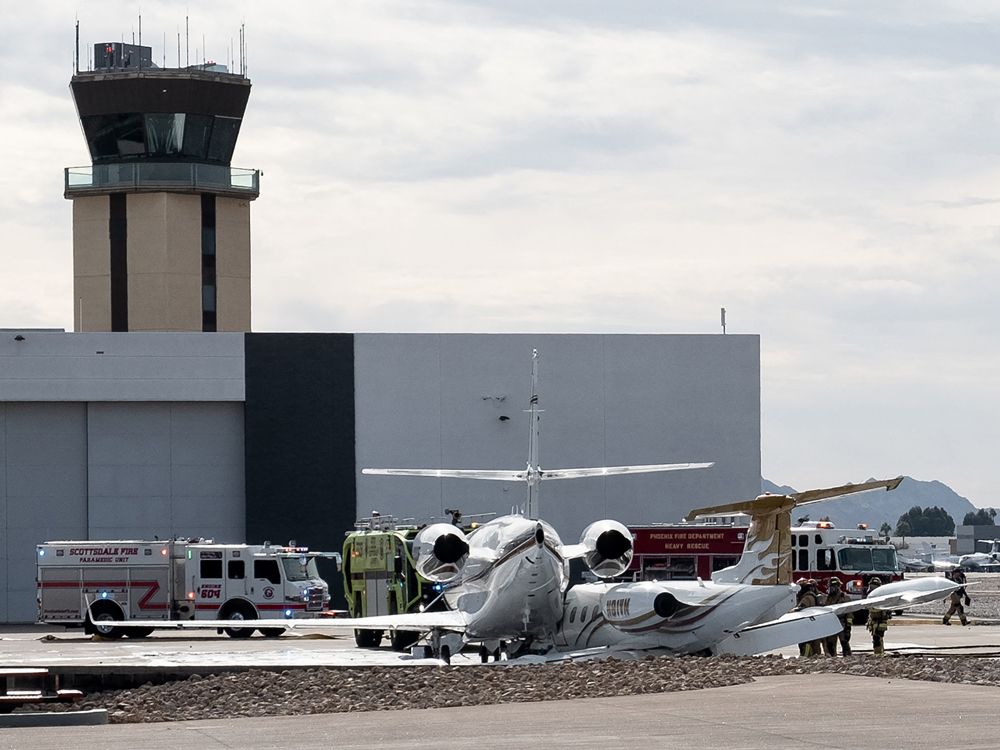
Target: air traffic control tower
161, 220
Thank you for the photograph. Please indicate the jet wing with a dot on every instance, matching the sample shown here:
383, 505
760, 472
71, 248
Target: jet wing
416, 621
795, 627
900, 595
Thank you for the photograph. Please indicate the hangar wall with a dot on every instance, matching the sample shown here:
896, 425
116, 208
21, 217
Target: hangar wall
247, 437
436, 401
115, 436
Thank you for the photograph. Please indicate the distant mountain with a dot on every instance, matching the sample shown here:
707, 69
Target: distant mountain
878, 507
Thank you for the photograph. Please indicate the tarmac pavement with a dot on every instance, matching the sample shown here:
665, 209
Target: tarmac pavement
777, 713
33, 646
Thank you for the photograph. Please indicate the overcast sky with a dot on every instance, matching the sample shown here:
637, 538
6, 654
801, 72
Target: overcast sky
827, 172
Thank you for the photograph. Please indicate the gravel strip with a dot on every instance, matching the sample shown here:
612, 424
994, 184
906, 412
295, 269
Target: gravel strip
335, 690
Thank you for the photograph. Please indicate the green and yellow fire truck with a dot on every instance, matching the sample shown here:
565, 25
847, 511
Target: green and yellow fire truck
380, 577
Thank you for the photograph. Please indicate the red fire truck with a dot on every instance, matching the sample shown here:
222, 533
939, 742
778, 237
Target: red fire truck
820, 551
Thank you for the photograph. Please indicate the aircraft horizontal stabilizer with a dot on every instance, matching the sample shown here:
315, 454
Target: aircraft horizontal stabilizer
420, 622
494, 475
794, 627
542, 474
787, 502
608, 471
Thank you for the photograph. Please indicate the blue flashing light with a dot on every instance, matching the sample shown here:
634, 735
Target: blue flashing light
41, 553
288, 613
104, 594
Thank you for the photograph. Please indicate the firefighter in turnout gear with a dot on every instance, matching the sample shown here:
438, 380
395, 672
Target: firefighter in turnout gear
957, 597
836, 595
808, 597
878, 620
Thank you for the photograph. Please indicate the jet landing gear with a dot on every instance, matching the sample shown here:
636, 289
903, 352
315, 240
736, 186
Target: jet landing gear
443, 644
491, 648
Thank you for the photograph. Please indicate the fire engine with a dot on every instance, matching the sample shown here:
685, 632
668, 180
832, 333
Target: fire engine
819, 550
90, 584
381, 578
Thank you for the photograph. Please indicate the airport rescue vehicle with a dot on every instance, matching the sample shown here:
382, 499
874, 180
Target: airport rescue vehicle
89, 584
381, 578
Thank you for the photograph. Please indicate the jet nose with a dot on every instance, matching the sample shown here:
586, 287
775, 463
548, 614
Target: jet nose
539, 535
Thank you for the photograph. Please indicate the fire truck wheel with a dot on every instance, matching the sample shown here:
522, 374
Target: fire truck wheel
105, 612
368, 638
137, 632
272, 632
238, 611
401, 640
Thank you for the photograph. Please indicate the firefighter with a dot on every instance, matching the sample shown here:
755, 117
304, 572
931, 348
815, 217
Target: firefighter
836, 595
807, 597
878, 620
957, 597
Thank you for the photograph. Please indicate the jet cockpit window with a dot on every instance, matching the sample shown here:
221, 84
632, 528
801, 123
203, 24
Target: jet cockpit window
487, 536
572, 615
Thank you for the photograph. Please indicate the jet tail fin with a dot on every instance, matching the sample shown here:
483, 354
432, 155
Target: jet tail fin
767, 553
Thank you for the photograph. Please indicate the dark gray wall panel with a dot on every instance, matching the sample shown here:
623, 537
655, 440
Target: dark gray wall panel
300, 440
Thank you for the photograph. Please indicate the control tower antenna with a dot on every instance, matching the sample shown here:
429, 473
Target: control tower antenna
76, 53
187, 43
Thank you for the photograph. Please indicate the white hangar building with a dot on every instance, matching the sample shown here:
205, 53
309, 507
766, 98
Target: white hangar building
254, 436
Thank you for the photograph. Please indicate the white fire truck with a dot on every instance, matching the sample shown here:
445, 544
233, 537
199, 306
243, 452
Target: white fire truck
91, 584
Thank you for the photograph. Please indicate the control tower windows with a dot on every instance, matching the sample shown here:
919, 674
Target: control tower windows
187, 137
224, 132
164, 133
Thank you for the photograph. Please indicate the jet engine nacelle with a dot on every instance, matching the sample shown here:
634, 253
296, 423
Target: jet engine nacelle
440, 551
609, 548
628, 603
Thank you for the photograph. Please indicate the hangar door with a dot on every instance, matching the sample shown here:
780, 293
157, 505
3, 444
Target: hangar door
43, 492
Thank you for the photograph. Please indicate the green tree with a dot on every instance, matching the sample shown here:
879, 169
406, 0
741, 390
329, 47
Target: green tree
885, 530
981, 517
932, 521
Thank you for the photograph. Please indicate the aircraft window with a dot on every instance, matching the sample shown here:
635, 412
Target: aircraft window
572, 614
855, 558
803, 560
819, 538
825, 560
583, 615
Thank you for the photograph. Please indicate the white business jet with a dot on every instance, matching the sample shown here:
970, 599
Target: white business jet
506, 582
